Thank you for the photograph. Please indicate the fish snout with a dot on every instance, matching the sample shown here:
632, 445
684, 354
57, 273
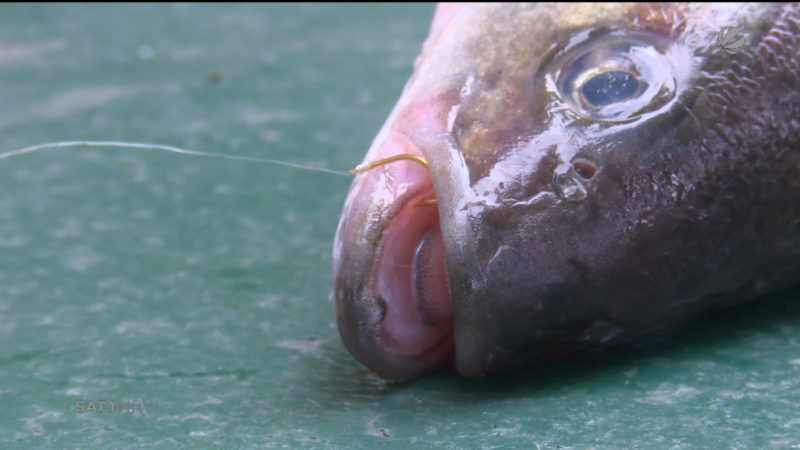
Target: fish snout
392, 296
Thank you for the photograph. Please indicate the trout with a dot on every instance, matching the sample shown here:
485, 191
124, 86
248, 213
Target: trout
572, 176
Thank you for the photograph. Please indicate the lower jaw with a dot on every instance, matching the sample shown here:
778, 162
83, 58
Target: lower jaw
412, 283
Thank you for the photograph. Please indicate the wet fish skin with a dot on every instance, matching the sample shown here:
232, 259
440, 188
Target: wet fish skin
564, 231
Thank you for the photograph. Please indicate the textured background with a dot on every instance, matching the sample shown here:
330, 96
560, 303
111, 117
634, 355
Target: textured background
199, 287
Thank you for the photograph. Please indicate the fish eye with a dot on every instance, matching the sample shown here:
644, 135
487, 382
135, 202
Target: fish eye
618, 76
609, 87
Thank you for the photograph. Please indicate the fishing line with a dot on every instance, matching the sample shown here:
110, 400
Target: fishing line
144, 146
168, 148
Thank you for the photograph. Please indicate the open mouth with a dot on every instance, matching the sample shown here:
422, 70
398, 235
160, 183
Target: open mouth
394, 310
412, 284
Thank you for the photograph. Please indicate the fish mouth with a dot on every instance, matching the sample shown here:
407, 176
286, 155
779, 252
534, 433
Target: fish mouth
412, 286
393, 302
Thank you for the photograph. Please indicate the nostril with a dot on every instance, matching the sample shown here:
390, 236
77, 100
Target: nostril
584, 169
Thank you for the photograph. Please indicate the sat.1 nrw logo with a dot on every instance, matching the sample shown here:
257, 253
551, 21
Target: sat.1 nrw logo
731, 40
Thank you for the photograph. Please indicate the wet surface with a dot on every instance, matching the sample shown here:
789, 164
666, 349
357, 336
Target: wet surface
193, 293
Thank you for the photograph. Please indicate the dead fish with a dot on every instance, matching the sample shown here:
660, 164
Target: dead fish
587, 176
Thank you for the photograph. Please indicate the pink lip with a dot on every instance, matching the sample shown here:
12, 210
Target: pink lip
410, 266
394, 307
412, 281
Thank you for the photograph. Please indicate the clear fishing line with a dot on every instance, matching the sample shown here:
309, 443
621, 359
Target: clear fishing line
168, 148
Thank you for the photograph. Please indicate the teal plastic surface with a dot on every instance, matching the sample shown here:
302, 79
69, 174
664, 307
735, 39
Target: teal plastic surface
193, 293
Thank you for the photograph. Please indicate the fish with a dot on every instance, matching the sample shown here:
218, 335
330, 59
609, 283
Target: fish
573, 176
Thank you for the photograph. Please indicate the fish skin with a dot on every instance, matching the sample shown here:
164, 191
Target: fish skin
693, 204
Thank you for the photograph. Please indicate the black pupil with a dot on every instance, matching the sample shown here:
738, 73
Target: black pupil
609, 87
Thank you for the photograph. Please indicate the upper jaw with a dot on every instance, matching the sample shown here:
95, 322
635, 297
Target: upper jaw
391, 316
374, 273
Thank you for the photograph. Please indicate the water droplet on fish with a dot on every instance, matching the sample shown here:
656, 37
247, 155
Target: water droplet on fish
568, 188
600, 331
505, 260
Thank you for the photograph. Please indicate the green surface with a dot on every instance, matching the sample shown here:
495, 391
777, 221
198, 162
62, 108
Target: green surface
201, 286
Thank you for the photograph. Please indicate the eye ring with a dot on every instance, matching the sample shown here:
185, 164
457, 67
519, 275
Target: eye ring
620, 75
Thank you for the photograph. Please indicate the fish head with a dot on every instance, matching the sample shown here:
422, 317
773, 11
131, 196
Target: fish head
575, 157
